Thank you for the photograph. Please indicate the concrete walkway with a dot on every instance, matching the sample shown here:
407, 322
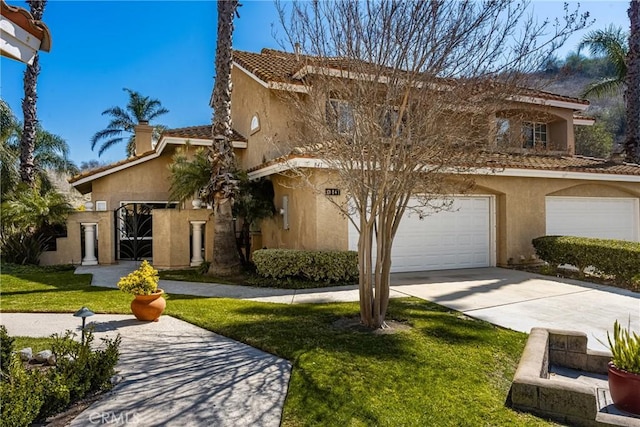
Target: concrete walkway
174, 373
509, 298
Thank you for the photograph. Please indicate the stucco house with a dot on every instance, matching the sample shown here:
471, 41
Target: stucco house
540, 187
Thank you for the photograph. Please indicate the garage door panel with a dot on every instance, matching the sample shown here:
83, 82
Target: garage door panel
459, 238
605, 218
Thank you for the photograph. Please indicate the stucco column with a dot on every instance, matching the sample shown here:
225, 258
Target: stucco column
196, 242
89, 243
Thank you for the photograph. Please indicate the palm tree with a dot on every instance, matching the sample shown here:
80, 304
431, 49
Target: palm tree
632, 92
50, 153
9, 150
612, 44
139, 109
28, 140
222, 186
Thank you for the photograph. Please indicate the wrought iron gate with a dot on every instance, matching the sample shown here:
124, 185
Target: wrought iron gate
134, 231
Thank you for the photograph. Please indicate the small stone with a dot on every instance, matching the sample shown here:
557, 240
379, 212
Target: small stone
43, 356
26, 354
51, 360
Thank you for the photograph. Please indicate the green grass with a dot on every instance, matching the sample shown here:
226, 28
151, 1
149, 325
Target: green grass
36, 344
447, 370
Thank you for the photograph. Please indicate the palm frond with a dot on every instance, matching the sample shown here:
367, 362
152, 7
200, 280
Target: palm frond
610, 43
188, 176
108, 144
603, 87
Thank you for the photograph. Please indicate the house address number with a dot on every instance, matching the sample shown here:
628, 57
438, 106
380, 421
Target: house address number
331, 191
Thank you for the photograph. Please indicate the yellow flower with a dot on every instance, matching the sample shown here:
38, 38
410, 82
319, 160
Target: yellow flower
143, 281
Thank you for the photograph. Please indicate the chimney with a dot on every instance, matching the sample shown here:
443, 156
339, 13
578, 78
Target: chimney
296, 49
143, 134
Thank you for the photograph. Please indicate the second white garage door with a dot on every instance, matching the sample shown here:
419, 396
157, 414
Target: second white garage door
600, 217
459, 238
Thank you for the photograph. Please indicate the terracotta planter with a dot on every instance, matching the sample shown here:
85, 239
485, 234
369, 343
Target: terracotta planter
625, 389
149, 307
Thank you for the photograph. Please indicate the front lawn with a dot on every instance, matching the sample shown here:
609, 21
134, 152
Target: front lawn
445, 370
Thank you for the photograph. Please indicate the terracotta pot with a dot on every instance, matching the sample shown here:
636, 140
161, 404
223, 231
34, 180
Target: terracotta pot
625, 389
149, 307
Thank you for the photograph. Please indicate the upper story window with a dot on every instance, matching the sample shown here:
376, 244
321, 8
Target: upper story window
340, 115
503, 127
254, 126
389, 122
534, 135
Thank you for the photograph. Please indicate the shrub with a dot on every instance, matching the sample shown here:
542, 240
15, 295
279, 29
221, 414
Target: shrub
21, 394
320, 266
29, 395
22, 248
6, 348
618, 258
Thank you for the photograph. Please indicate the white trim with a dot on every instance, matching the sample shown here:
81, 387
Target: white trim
16, 42
493, 233
298, 162
273, 85
583, 122
250, 74
549, 102
537, 173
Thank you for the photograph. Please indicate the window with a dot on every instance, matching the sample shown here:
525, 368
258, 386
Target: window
502, 130
389, 121
534, 135
340, 115
255, 124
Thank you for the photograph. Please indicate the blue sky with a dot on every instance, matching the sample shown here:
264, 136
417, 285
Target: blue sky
163, 49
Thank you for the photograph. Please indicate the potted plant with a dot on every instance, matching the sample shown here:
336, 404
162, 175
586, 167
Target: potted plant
624, 369
143, 283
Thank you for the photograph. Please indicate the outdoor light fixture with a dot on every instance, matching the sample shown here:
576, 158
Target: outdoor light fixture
84, 312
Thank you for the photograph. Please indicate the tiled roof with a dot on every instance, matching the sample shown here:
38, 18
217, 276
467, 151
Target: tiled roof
498, 161
280, 67
199, 132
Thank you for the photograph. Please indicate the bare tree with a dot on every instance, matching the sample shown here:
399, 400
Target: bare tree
222, 186
632, 90
30, 130
399, 106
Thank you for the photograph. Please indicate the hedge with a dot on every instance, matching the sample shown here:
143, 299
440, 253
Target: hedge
319, 266
618, 258
29, 395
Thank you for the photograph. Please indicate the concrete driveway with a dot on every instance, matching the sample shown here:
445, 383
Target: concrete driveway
520, 301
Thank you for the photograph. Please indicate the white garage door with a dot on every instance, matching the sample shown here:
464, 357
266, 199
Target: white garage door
459, 238
601, 217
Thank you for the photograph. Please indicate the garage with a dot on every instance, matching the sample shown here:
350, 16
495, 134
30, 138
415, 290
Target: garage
600, 217
459, 238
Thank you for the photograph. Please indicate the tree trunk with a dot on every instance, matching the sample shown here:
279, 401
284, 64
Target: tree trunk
225, 258
29, 132
246, 239
632, 92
